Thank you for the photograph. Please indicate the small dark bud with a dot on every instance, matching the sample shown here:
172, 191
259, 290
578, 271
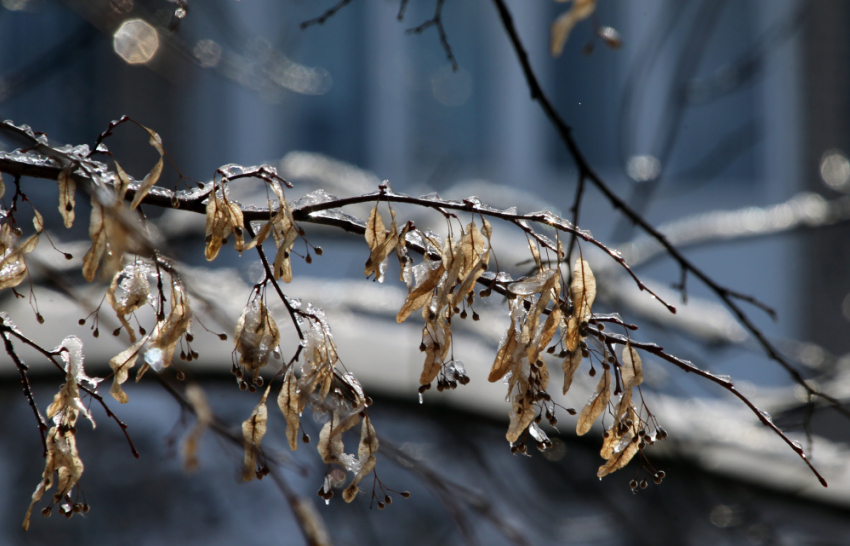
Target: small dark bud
252, 389
81, 322
69, 256
39, 318
86, 508
116, 332
243, 386
571, 411
553, 421
301, 231
514, 449
259, 381
405, 494
551, 349
369, 401
142, 330
69, 207
600, 327
388, 499
46, 511
423, 347
656, 479
463, 314
190, 338
585, 353
661, 474
305, 438
237, 230
308, 259
475, 316
318, 250
563, 354
592, 372
222, 337
181, 376
633, 484
381, 505
96, 332
78, 508
456, 310
643, 484
224, 241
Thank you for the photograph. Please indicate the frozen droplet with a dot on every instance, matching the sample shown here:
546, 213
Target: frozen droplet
327, 501
765, 415
153, 358
727, 378
180, 12
421, 399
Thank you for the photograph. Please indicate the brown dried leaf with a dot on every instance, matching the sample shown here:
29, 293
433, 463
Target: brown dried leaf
582, 289
631, 369
330, 444
37, 221
522, 414
62, 458
203, 416
121, 365
421, 294
123, 182
596, 405
253, 430
365, 455
99, 236
256, 336
560, 30
504, 357
67, 188
167, 333
380, 243
152, 177
285, 234
13, 267
287, 400
570, 365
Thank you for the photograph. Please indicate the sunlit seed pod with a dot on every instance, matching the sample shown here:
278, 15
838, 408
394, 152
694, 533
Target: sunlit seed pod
470, 299
642, 433
252, 389
308, 259
475, 316
463, 314
195, 355
643, 484
222, 337
582, 344
181, 376
182, 353
142, 330
69, 256
96, 332
116, 332
421, 389
538, 418
571, 411
660, 433
369, 401
485, 293
318, 250
189, 357
388, 499
81, 322
550, 350
553, 421
661, 474
46, 511
405, 494
259, 381
601, 337
86, 508
78, 508
439, 386
456, 310
243, 386
523, 448
39, 318
592, 372
633, 484
656, 479
237, 230
189, 337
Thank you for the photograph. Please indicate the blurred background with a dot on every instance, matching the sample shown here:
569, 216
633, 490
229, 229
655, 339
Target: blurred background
724, 122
